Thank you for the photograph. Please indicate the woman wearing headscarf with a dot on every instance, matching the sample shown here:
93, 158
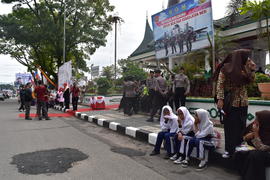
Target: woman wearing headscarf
204, 131
169, 127
186, 122
233, 75
252, 164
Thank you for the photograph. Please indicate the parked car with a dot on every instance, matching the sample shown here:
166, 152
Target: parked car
2, 97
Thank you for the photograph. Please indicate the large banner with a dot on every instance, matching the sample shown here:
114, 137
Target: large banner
64, 74
183, 28
22, 79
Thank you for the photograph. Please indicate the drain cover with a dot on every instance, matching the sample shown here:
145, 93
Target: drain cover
47, 161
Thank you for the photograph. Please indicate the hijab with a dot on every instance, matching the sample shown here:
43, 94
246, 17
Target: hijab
264, 123
233, 67
205, 126
188, 122
171, 125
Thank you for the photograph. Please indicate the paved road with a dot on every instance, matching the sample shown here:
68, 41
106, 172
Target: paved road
108, 154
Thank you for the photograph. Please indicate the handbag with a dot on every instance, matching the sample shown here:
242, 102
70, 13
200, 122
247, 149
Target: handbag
228, 98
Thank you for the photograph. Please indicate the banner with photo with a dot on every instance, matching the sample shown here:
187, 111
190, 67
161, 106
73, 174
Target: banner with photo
22, 79
183, 28
65, 74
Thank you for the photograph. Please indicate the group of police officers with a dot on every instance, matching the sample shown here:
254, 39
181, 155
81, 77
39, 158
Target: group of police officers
155, 92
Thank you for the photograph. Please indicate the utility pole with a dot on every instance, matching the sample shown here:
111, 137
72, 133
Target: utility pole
64, 34
116, 19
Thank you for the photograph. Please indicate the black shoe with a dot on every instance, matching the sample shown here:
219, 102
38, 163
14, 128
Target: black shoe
167, 156
153, 153
47, 118
150, 120
28, 118
40, 118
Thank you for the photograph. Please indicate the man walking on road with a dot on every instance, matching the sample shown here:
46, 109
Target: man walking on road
75, 92
41, 93
28, 100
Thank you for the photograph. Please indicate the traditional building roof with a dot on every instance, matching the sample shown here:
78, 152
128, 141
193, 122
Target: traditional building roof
145, 45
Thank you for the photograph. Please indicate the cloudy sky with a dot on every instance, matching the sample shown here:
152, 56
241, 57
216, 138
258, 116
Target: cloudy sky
130, 33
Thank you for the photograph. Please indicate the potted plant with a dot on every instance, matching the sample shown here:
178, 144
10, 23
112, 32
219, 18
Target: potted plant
263, 81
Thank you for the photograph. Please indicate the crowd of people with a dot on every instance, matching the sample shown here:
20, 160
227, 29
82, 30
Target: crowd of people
231, 79
45, 98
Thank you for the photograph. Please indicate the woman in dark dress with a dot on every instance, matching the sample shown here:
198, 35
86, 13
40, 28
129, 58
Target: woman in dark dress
251, 164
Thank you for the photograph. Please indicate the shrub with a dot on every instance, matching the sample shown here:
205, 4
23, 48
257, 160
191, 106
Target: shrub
103, 85
261, 78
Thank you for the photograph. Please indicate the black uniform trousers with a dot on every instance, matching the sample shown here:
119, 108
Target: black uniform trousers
158, 102
234, 127
179, 97
130, 105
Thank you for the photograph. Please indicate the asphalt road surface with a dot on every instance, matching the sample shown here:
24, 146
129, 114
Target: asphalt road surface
71, 149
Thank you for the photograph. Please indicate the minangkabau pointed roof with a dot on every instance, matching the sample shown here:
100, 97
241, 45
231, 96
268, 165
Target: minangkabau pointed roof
145, 46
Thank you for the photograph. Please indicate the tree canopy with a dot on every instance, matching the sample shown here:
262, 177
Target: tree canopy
33, 32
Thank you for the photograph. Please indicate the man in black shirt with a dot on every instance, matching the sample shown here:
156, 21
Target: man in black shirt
28, 99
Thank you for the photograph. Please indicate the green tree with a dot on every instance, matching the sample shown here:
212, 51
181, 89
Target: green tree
259, 11
103, 85
33, 32
132, 69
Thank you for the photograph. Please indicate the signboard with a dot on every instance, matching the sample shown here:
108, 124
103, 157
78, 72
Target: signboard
182, 28
95, 71
65, 74
22, 79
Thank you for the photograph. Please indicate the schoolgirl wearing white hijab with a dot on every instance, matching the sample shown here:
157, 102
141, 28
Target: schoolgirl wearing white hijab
186, 122
169, 127
204, 131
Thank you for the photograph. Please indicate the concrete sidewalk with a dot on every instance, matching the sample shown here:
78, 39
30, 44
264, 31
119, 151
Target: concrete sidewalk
134, 126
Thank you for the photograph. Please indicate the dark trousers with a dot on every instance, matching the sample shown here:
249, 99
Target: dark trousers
22, 105
179, 97
75, 103
67, 103
158, 102
27, 108
178, 144
234, 127
61, 104
41, 105
251, 164
195, 142
130, 103
168, 144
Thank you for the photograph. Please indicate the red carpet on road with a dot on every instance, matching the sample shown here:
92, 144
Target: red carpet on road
71, 113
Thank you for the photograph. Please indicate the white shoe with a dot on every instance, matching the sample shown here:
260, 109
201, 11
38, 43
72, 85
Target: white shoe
226, 155
184, 163
202, 166
178, 161
174, 157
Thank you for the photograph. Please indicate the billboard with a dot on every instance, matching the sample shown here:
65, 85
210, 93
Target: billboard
65, 74
95, 71
22, 79
182, 28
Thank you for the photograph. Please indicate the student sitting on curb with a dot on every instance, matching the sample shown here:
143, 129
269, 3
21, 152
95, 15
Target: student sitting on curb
169, 127
186, 121
204, 132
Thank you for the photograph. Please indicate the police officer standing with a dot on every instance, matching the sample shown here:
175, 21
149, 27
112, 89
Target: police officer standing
160, 94
130, 96
150, 84
182, 88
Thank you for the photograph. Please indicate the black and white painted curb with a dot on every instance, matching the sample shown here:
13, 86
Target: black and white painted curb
139, 134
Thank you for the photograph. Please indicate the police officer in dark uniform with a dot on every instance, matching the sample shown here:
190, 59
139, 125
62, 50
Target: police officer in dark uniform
160, 94
130, 96
150, 84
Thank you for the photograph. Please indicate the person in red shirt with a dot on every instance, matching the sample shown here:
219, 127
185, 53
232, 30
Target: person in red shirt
41, 93
75, 92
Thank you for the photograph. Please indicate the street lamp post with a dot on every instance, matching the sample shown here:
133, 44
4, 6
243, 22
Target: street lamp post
116, 19
64, 34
